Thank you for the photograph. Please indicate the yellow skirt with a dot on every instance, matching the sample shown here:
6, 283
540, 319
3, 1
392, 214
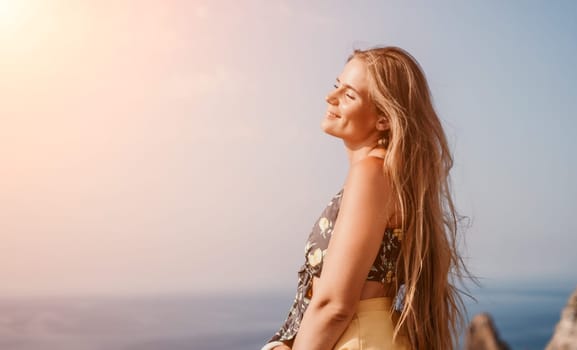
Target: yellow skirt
372, 328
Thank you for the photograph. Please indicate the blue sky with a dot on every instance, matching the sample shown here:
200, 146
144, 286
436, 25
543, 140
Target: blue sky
176, 146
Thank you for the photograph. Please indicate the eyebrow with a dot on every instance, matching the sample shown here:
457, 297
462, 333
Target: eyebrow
348, 86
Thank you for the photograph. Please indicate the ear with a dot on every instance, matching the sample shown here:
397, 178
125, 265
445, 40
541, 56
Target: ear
382, 123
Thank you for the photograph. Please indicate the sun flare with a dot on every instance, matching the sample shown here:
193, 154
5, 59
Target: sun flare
13, 14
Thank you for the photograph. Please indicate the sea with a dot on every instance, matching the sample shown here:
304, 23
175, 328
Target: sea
524, 314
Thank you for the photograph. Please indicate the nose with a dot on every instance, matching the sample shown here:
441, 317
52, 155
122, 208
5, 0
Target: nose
331, 98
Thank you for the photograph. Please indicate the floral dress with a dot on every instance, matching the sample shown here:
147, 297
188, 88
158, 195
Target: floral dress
382, 270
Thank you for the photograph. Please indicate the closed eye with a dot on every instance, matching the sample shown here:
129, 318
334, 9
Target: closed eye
348, 95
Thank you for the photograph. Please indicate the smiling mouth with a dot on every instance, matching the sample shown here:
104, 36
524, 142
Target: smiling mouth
332, 115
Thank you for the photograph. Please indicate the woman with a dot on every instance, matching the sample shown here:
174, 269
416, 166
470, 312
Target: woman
391, 230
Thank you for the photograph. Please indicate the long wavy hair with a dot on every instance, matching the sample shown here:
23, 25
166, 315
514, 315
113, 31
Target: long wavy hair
417, 162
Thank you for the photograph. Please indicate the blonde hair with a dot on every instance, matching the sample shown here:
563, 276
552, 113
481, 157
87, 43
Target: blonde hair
418, 161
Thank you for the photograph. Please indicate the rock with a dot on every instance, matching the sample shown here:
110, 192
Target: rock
565, 336
482, 335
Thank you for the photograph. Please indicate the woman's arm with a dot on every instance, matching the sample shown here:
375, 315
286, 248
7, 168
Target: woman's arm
276, 345
359, 228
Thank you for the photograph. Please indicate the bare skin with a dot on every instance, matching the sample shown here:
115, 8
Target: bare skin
373, 289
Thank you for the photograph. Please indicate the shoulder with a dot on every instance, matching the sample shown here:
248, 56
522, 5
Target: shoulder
366, 174
367, 188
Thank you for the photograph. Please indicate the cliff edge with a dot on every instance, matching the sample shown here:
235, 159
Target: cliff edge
565, 336
482, 335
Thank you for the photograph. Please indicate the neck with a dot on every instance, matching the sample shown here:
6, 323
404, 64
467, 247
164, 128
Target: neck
358, 153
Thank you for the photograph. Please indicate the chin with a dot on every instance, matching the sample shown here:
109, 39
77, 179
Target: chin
329, 129
326, 126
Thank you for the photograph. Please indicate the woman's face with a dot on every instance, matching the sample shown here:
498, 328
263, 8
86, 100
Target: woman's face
351, 115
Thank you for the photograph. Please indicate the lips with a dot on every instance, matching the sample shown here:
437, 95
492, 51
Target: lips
332, 115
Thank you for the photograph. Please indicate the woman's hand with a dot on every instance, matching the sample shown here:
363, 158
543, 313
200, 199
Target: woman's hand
281, 347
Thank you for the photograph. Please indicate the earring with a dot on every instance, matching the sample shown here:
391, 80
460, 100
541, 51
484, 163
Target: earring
383, 142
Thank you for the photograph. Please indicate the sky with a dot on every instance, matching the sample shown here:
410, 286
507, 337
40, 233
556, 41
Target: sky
152, 147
